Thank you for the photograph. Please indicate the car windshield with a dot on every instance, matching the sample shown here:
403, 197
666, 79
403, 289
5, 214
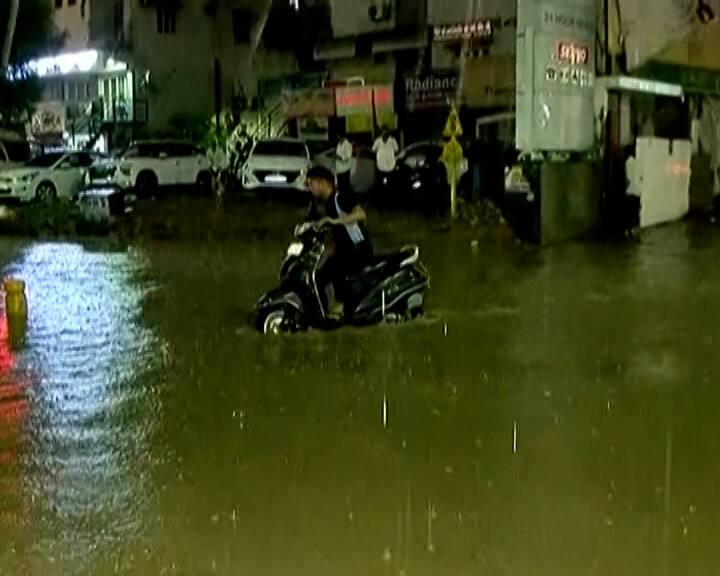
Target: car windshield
17, 151
279, 148
46, 160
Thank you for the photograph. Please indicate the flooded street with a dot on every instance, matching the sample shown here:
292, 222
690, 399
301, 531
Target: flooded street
555, 414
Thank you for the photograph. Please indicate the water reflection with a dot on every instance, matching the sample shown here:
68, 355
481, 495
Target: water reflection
83, 452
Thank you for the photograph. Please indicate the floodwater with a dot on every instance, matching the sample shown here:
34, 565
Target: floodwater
555, 414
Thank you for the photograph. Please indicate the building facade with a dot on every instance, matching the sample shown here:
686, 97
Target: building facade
188, 59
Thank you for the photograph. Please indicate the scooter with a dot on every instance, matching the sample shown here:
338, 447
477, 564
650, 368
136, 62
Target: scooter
391, 289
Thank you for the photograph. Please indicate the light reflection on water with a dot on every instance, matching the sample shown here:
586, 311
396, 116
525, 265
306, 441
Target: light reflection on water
83, 445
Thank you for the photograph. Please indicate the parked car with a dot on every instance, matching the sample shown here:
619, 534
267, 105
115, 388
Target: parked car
14, 151
362, 175
46, 177
276, 163
147, 165
420, 176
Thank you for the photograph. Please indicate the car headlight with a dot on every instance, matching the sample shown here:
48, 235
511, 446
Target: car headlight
28, 177
126, 170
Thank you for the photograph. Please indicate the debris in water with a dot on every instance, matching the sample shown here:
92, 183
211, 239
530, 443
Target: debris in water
445, 329
387, 556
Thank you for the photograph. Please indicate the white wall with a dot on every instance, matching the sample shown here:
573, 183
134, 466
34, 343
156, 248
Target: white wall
350, 17
660, 175
181, 65
74, 21
451, 11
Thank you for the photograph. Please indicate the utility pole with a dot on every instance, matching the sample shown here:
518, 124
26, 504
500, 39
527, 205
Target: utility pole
9, 33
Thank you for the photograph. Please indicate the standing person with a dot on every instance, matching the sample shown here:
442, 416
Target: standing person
386, 149
343, 163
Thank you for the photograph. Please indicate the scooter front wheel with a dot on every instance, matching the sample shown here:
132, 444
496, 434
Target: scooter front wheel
273, 323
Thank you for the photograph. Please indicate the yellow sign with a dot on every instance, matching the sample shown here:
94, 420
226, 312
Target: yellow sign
453, 128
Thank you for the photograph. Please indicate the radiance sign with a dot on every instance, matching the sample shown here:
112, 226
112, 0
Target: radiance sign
432, 90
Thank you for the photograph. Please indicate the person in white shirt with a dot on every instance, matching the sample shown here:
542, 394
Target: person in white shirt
343, 163
386, 149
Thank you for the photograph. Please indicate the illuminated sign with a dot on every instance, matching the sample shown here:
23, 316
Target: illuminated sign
383, 98
480, 29
431, 90
354, 101
574, 54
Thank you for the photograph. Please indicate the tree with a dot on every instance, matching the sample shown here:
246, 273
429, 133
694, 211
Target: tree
34, 35
9, 33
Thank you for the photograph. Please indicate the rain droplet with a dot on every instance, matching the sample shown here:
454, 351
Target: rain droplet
387, 556
385, 412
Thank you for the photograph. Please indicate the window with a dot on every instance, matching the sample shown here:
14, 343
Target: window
165, 20
45, 161
280, 148
72, 2
58, 3
242, 23
178, 149
72, 159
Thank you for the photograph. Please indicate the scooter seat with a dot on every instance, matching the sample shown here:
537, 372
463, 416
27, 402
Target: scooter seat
408, 255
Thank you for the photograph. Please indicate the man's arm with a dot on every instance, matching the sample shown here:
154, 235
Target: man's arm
355, 217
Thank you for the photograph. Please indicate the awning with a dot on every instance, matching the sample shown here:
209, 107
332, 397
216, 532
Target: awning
693, 80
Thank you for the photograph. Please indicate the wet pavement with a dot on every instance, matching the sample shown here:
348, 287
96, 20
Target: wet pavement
554, 414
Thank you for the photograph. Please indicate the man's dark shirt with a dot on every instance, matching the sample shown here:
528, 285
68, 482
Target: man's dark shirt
352, 241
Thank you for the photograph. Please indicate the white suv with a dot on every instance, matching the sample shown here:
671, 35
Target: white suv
149, 164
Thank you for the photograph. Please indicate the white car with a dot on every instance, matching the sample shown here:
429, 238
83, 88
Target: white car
47, 177
146, 165
276, 163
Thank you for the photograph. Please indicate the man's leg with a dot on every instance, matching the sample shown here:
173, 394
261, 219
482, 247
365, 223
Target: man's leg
328, 277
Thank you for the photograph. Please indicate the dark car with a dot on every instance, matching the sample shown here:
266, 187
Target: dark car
421, 178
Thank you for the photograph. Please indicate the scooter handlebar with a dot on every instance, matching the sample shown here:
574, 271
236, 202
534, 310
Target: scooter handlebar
305, 227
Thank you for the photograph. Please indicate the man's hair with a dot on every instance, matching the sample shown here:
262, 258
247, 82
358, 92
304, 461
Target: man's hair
321, 173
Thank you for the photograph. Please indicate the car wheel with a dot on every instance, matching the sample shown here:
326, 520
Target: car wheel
146, 184
46, 192
204, 182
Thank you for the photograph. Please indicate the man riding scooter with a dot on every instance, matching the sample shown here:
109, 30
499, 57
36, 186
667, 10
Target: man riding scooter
352, 250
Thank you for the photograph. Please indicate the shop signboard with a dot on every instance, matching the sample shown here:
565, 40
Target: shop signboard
318, 103
432, 90
555, 75
384, 102
354, 101
476, 30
